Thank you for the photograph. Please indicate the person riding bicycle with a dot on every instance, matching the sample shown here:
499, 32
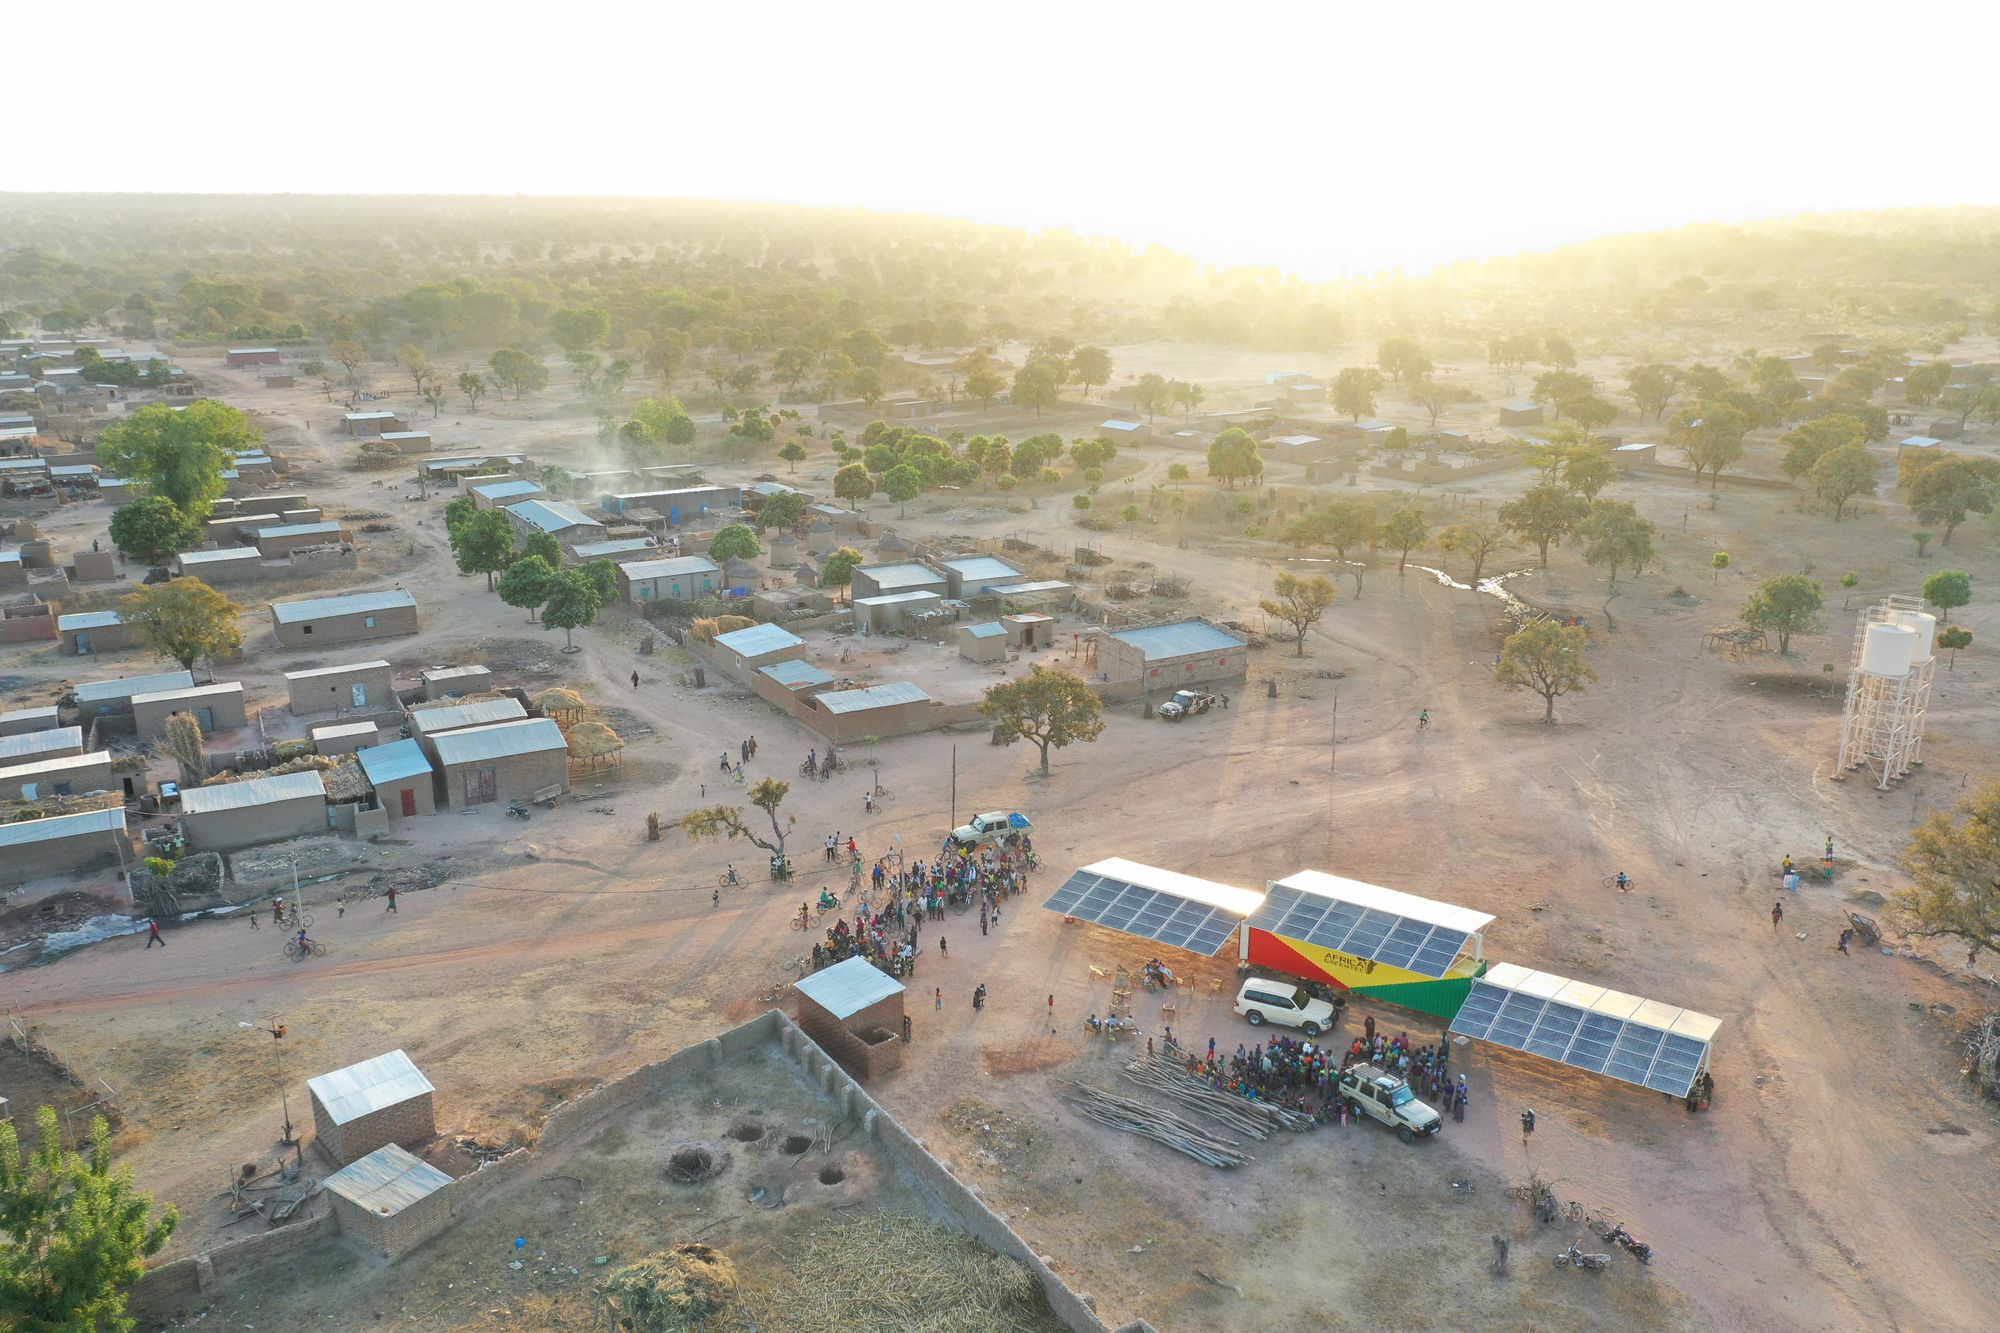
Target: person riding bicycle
1623, 881
729, 872
304, 944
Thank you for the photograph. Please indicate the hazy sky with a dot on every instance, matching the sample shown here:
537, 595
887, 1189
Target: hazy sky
1317, 137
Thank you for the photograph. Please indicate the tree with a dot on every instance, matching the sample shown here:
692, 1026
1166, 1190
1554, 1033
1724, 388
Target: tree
1807, 443
602, 576
523, 372
434, 395
1712, 433
1233, 456
545, 545
1587, 471
458, 511
1402, 359
1051, 707
1557, 351
902, 484
417, 365
783, 510
1477, 540
185, 620
838, 571
734, 542
1300, 603
76, 1233
474, 386
724, 821
1189, 395
578, 329
984, 382
151, 528
527, 583
1952, 640
1923, 385
1151, 393
482, 544
1947, 590
1038, 385
1843, 474
1954, 864
349, 354
791, 366
1404, 532
178, 454
1543, 516
1089, 366
1547, 658
1617, 538
681, 430
997, 459
793, 453
1346, 524
1555, 388
1434, 396
854, 483
1178, 472
1952, 487
1787, 605
1354, 392
573, 604
1652, 387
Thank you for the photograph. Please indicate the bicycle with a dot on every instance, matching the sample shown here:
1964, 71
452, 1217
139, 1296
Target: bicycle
801, 922
293, 950
296, 919
1611, 882
809, 769
728, 880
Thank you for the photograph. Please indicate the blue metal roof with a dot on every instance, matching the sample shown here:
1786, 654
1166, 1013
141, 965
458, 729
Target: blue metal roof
88, 620
501, 490
983, 569
873, 696
986, 631
1181, 640
888, 577
383, 764
794, 674
313, 608
30, 831
531, 735
758, 640
551, 515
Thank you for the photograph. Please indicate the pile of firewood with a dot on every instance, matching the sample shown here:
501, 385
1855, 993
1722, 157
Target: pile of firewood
1156, 1123
1164, 1073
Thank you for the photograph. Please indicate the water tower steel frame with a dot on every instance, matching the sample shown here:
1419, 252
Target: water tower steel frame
1883, 727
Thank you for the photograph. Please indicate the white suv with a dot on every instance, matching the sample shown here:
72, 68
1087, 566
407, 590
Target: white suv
1265, 1001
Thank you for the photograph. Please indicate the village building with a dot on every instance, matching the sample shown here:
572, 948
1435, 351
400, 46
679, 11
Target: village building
29, 746
784, 685
339, 689
618, 548
854, 1011
426, 724
56, 775
88, 632
1521, 414
745, 650
20, 721
879, 580
505, 762
30, 848
288, 537
217, 707
366, 425
253, 356
678, 506
1029, 630
401, 778
229, 815
389, 1202
1124, 433
320, 622
407, 441
875, 710
231, 564
1188, 652
371, 1105
685, 578
891, 612
113, 698
332, 738
844, 522
966, 575
450, 682
984, 642
565, 522
500, 494
451, 468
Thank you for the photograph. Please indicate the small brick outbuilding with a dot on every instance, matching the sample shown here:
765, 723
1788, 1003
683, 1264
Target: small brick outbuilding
370, 1105
854, 1010
389, 1201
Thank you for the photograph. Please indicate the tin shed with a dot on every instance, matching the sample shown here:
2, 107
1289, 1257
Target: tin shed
371, 1105
390, 1201
508, 761
854, 1011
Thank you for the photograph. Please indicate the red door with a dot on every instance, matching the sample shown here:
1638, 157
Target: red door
409, 802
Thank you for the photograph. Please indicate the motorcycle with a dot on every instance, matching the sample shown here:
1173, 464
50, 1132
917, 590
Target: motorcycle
1575, 1255
519, 810
1637, 1248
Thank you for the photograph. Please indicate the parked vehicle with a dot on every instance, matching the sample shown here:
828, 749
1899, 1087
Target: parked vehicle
996, 826
1575, 1255
1380, 1095
1262, 1000
1185, 704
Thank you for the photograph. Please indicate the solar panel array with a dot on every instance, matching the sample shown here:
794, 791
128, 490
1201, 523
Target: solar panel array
1620, 1047
1384, 937
1135, 909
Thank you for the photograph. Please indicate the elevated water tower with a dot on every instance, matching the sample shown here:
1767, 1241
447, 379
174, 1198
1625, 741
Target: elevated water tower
1889, 691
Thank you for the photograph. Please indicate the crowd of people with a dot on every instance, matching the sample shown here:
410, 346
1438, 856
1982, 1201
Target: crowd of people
1305, 1077
888, 934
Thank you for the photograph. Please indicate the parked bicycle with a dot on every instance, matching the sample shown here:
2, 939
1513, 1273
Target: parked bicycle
727, 879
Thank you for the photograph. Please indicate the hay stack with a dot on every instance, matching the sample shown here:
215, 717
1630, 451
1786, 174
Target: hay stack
593, 740
557, 700
676, 1289
705, 628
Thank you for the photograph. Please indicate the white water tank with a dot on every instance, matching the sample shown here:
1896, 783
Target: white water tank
1925, 625
1886, 650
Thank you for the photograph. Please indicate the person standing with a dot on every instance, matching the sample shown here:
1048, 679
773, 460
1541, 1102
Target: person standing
937, 998
392, 901
1369, 1028
1527, 1122
1777, 914
753, 747
635, 680
979, 996
715, 897
1423, 719
942, 951
1458, 1100
153, 933
906, 1029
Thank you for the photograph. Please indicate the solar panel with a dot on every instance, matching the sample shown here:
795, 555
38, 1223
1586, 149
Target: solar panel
1513, 1007
1149, 912
1366, 932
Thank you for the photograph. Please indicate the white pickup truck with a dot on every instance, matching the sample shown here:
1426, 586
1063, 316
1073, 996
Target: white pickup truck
998, 826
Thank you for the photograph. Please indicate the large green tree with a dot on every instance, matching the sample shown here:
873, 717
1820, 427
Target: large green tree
1839, 476
153, 529
1616, 537
527, 583
1300, 603
1089, 366
1544, 515
179, 455
1954, 865
1354, 390
1547, 658
1050, 707
523, 372
76, 1232
185, 620
1786, 605
1233, 457
737, 541
1808, 442
838, 571
573, 604
1951, 488
1402, 359
1947, 590
1404, 532
482, 543
854, 483
726, 821
1038, 385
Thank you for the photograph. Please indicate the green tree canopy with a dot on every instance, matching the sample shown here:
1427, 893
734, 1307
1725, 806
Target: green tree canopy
523, 372
1354, 390
482, 543
1477, 540
1233, 457
1616, 537
1946, 490
153, 529
1954, 864
1300, 603
527, 583
1544, 515
793, 453
838, 571
1786, 605
1403, 533
179, 455
602, 576
854, 483
1050, 707
185, 620
573, 603
1839, 476
902, 484
1807, 443
1038, 385
726, 822
737, 541
1090, 366
783, 510
1947, 590
1402, 359
1548, 659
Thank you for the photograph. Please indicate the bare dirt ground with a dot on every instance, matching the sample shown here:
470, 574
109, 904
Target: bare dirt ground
1843, 1178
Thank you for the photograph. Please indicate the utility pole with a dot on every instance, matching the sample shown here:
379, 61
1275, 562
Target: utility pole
954, 786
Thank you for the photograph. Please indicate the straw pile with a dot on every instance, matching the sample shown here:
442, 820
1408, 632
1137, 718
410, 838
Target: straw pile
556, 701
676, 1289
705, 628
593, 740
899, 1271
301, 764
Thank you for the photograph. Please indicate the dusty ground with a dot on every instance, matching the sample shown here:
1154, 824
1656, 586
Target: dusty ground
1842, 1180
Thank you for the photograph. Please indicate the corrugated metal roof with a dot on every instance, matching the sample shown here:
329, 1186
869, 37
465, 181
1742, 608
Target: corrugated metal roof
386, 1181
368, 416
1178, 640
53, 764
331, 731
363, 1089
901, 575
848, 987
298, 530
32, 743
336, 670
252, 792
479, 712
1120, 425
986, 631
315, 608
456, 673
982, 568
1037, 585
406, 435
187, 558
500, 490
383, 764
658, 569
551, 515
31, 831
502, 740
795, 674
88, 620
219, 688
872, 696
894, 598
18, 715
97, 691
605, 550
758, 640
